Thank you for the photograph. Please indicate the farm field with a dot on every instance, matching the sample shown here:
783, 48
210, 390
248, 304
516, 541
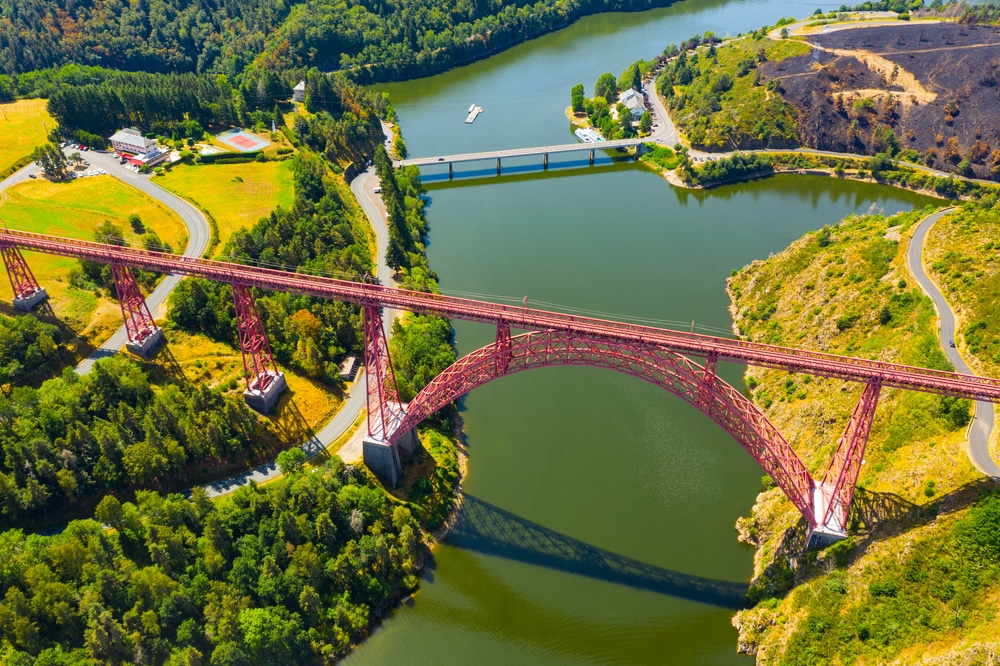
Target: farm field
21, 130
74, 209
235, 195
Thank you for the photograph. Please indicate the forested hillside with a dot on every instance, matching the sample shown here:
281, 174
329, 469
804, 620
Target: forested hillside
384, 39
289, 573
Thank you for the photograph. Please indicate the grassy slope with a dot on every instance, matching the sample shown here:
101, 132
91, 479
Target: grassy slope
749, 114
832, 616
233, 204
74, 209
22, 130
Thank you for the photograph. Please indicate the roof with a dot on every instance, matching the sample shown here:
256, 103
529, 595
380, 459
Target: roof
300, 86
132, 137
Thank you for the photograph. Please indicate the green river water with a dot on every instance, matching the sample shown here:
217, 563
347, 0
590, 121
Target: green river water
599, 521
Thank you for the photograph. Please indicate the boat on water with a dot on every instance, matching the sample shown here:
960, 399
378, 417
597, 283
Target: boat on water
588, 135
474, 112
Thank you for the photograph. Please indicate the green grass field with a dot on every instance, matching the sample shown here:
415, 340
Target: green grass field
236, 195
21, 130
74, 209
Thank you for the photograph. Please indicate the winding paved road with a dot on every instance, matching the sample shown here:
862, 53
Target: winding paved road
198, 231
199, 235
982, 424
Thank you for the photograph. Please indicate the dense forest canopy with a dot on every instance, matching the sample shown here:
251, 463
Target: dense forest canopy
383, 38
289, 573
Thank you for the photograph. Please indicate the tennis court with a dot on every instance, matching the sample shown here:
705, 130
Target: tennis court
242, 141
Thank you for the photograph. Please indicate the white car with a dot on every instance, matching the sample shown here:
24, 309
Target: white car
101, 171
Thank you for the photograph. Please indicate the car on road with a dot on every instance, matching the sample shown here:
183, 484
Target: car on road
31, 175
951, 343
440, 159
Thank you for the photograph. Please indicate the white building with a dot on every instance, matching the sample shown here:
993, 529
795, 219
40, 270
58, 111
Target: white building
133, 142
633, 100
299, 92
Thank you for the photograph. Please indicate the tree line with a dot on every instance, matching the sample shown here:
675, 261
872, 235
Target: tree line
372, 40
289, 573
75, 437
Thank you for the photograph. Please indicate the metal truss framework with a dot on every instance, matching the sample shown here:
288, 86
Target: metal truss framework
258, 362
22, 280
841, 476
656, 355
139, 323
664, 368
384, 408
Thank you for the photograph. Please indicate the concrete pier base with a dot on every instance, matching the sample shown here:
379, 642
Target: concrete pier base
409, 441
450, 172
498, 166
28, 303
264, 401
545, 161
831, 532
150, 344
591, 157
382, 458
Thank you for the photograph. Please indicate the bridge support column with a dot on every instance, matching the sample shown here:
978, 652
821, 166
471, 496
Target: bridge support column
833, 495
385, 411
498, 166
591, 157
144, 336
707, 389
264, 383
450, 173
545, 161
27, 292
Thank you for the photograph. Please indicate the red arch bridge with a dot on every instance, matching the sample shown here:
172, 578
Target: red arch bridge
659, 356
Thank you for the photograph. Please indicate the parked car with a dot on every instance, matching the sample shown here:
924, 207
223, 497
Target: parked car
31, 175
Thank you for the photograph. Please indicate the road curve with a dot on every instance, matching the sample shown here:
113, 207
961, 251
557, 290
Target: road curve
198, 231
982, 424
199, 235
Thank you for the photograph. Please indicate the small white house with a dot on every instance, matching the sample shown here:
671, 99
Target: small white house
299, 92
132, 141
633, 100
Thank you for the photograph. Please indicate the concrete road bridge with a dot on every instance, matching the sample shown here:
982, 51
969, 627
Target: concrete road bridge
499, 155
662, 357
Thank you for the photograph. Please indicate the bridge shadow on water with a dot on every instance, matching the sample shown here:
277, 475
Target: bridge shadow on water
484, 528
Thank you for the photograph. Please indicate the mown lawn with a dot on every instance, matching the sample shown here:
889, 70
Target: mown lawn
236, 195
74, 209
21, 130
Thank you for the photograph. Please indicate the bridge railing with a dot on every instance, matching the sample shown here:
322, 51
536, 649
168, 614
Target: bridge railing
525, 318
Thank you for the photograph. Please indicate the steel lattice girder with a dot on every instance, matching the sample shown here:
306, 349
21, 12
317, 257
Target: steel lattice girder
22, 280
258, 362
740, 351
139, 323
666, 369
384, 408
841, 476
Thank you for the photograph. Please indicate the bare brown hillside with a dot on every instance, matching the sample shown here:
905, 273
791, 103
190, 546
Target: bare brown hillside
934, 86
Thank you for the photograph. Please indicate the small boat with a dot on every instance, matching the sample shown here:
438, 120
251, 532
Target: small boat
474, 112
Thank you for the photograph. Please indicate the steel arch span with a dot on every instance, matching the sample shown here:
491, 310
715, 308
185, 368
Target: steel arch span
695, 384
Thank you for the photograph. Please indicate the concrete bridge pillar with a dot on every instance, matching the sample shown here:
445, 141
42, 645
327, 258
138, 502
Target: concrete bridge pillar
498, 166
545, 161
450, 174
382, 458
27, 292
591, 157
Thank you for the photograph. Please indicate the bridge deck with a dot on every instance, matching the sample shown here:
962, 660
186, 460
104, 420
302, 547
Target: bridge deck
724, 349
518, 152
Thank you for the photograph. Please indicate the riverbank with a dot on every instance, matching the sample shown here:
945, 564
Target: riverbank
845, 289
